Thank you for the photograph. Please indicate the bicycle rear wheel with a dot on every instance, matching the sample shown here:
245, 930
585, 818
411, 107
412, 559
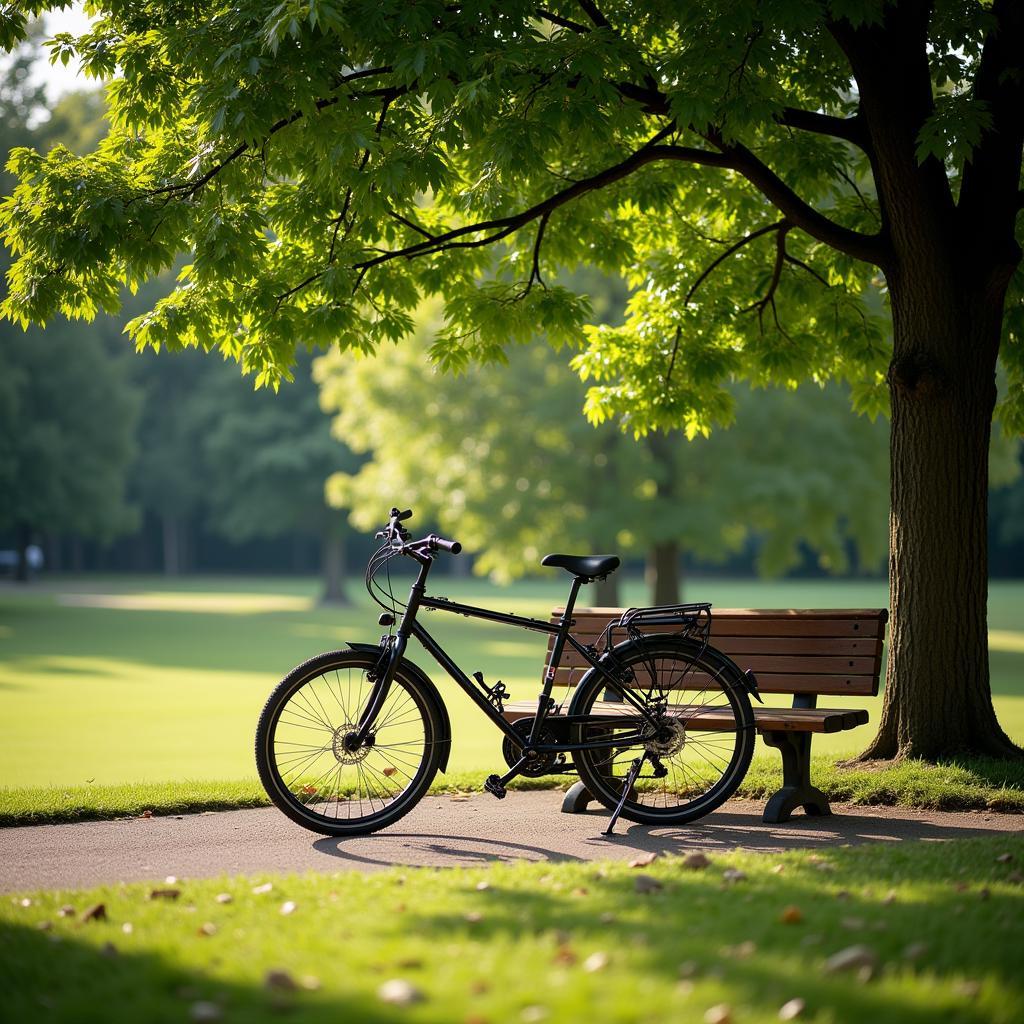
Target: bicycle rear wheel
306, 759
698, 750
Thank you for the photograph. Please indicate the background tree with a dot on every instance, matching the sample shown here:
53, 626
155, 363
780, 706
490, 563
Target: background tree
757, 166
501, 456
267, 460
67, 413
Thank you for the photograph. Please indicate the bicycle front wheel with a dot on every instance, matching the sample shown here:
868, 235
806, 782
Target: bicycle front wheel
696, 746
308, 764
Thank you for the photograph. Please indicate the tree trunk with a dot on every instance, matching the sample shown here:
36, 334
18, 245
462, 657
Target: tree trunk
172, 545
23, 535
333, 564
606, 592
662, 572
938, 701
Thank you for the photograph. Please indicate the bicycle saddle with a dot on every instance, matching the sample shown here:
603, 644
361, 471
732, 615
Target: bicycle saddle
584, 565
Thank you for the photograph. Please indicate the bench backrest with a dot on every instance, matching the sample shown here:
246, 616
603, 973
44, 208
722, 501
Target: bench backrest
820, 651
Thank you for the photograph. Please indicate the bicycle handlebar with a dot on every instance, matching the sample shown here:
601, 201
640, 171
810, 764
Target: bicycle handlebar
453, 547
433, 542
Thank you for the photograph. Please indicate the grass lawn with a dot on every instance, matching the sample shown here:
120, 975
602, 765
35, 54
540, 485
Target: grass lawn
939, 929
129, 681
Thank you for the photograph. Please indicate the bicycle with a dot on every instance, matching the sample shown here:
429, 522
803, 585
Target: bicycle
383, 732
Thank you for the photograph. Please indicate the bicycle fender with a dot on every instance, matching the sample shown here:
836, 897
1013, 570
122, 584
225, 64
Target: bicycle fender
445, 741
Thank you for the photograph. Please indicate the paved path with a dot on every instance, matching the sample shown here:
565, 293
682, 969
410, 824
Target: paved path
441, 832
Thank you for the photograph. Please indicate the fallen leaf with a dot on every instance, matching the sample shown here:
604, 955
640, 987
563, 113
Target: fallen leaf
310, 982
279, 980
288, 907
792, 1009
309, 791
45, 926
564, 956
259, 890
473, 917
733, 875
695, 861
97, 912
479, 987
595, 962
482, 886
778, 869
399, 992
224, 897
1004, 858
643, 860
853, 958
147, 814
205, 1012
889, 897
164, 894
647, 884
207, 929
581, 891
791, 915
459, 798
720, 1014
389, 771
67, 910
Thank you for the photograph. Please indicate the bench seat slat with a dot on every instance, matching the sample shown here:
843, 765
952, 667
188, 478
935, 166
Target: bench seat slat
700, 717
858, 646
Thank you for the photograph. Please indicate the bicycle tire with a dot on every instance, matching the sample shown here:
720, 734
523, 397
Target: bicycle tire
307, 782
682, 792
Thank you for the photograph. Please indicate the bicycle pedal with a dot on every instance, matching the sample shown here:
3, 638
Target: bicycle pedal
494, 786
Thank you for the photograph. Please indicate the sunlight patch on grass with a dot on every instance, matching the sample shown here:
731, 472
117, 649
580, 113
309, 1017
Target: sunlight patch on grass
220, 604
1006, 640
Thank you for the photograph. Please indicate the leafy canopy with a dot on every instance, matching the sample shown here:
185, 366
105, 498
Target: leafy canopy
328, 163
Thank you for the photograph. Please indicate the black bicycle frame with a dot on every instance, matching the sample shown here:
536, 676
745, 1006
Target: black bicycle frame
410, 627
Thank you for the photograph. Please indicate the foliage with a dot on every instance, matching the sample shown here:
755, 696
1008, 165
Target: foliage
67, 411
501, 456
266, 460
325, 164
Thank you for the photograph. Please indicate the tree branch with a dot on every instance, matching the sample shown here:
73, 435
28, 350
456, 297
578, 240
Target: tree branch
870, 248
592, 12
849, 128
535, 269
557, 19
503, 226
735, 247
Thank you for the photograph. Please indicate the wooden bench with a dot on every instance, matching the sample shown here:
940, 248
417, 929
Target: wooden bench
808, 654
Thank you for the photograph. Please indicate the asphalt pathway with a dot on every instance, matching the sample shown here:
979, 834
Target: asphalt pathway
441, 832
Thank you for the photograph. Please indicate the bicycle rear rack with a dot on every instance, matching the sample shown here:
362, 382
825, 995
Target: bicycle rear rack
691, 620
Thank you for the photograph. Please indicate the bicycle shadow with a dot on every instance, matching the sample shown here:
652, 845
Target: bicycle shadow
580, 837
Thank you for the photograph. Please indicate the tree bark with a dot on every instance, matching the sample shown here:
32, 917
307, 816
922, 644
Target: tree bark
937, 701
24, 539
172, 545
606, 592
332, 556
662, 572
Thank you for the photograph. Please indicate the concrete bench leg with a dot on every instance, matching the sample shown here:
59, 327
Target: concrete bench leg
577, 799
797, 790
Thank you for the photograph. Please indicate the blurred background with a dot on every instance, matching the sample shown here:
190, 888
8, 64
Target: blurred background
234, 524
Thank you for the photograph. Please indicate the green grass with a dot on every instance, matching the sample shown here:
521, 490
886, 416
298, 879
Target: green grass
133, 682
975, 785
943, 924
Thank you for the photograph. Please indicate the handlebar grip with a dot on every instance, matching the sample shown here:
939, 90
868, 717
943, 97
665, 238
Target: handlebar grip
401, 516
453, 547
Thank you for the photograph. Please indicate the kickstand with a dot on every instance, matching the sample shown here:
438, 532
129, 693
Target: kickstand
627, 788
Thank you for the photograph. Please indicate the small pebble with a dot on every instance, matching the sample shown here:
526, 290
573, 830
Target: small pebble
792, 1009
399, 992
720, 1014
595, 962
